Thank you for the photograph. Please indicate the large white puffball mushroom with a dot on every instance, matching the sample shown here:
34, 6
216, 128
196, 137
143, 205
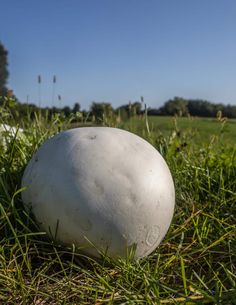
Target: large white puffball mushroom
101, 189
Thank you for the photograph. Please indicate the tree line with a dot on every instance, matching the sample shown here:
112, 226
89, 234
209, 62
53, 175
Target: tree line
194, 107
99, 111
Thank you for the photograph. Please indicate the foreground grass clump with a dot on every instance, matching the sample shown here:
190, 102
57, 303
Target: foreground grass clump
195, 264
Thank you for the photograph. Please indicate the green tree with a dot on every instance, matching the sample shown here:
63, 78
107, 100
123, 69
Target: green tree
176, 106
66, 110
3, 70
101, 111
76, 108
128, 110
137, 107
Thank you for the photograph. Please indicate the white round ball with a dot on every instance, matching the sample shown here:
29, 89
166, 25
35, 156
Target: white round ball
102, 189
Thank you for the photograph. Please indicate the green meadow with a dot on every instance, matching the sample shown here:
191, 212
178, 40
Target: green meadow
202, 130
194, 264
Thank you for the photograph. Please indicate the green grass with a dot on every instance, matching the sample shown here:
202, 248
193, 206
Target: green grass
196, 262
202, 129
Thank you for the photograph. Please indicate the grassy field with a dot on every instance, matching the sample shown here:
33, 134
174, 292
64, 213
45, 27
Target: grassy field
201, 129
196, 262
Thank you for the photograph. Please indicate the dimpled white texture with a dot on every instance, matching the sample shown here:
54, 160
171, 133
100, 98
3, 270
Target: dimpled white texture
100, 187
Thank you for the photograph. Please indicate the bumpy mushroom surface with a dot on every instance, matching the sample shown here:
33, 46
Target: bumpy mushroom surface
102, 189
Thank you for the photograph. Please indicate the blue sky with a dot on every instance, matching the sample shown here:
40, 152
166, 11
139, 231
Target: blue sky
118, 50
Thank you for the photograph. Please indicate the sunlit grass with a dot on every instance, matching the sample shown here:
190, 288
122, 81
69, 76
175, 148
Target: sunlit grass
196, 262
204, 130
